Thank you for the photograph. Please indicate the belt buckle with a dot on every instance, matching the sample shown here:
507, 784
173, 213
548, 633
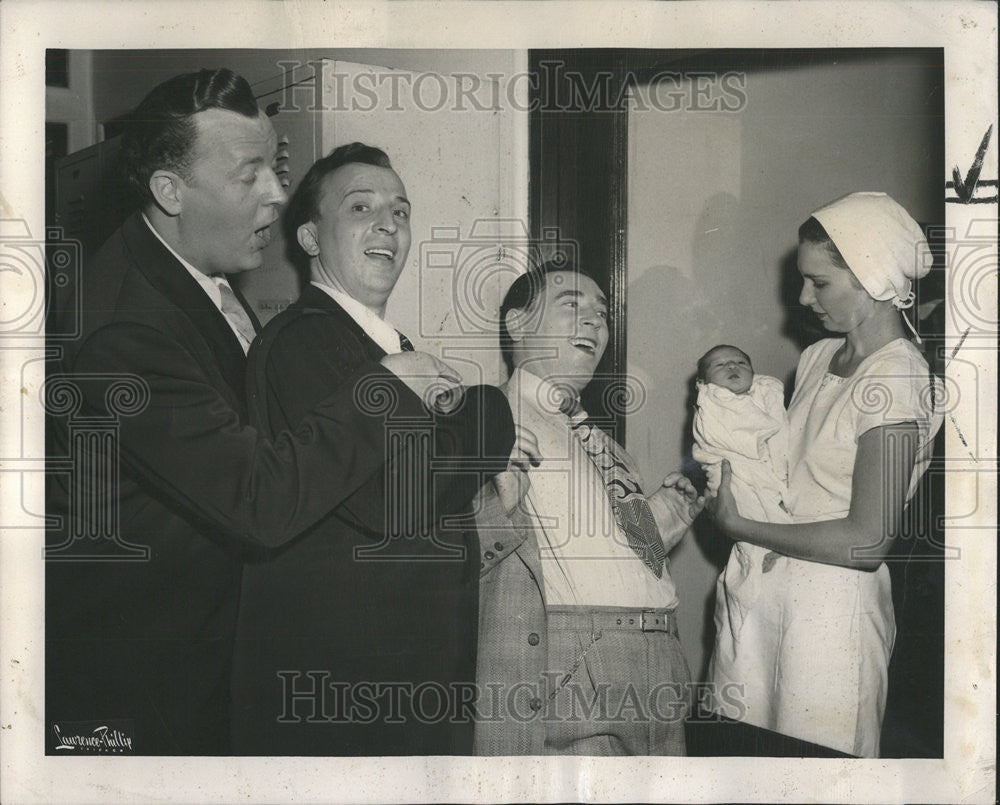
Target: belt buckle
647, 621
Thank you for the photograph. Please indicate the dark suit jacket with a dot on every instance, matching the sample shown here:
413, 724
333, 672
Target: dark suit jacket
345, 629
150, 642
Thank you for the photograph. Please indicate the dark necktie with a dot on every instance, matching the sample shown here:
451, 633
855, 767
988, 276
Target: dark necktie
632, 512
404, 343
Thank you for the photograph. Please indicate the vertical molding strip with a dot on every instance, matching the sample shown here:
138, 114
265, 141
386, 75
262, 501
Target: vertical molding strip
618, 280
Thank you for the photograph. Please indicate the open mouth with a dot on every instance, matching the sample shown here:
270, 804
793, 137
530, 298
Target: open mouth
588, 345
384, 254
263, 235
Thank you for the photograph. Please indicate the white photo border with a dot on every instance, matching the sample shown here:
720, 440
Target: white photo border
967, 32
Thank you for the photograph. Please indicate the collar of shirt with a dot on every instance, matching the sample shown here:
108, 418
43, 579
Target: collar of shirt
209, 285
541, 394
378, 330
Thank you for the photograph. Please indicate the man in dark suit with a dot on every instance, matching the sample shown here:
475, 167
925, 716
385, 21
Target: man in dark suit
360, 637
146, 646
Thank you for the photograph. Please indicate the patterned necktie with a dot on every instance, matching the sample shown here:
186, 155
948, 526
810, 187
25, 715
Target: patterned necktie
236, 314
404, 343
632, 512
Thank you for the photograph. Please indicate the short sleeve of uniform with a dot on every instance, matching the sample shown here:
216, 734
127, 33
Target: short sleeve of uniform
828, 414
894, 389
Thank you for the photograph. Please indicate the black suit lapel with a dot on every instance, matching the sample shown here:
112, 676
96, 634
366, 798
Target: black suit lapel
313, 298
167, 275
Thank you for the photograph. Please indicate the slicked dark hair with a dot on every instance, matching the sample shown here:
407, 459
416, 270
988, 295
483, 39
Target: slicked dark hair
522, 294
303, 206
160, 133
703, 360
812, 231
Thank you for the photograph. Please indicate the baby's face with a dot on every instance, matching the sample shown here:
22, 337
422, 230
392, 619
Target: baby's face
730, 369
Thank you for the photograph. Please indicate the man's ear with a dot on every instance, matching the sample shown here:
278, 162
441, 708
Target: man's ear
306, 236
515, 321
165, 186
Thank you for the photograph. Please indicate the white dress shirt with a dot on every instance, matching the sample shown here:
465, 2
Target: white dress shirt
586, 559
376, 328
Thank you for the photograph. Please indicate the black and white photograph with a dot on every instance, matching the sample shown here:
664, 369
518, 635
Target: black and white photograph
498, 402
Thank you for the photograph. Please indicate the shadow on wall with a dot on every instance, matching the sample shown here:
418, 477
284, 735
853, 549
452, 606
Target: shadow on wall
683, 311
675, 303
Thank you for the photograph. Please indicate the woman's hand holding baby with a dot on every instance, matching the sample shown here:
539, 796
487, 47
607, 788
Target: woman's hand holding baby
722, 505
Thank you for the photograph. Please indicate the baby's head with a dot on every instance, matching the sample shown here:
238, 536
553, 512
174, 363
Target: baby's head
728, 367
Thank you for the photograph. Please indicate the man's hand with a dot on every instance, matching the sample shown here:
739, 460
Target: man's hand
675, 505
438, 385
512, 485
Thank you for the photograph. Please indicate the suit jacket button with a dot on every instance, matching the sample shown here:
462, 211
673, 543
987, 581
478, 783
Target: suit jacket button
535, 704
489, 554
498, 546
533, 639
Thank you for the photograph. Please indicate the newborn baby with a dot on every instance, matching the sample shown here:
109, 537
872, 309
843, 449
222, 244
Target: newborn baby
740, 416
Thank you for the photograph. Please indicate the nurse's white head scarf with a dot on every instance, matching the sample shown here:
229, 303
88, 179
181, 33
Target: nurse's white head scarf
882, 245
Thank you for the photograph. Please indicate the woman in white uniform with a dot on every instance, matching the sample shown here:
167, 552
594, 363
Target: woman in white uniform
812, 648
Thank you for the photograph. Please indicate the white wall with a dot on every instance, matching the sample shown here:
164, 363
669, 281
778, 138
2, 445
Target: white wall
123, 77
454, 164
715, 199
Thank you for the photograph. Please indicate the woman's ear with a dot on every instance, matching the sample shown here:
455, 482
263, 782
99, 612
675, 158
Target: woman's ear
306, 236
167, 189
